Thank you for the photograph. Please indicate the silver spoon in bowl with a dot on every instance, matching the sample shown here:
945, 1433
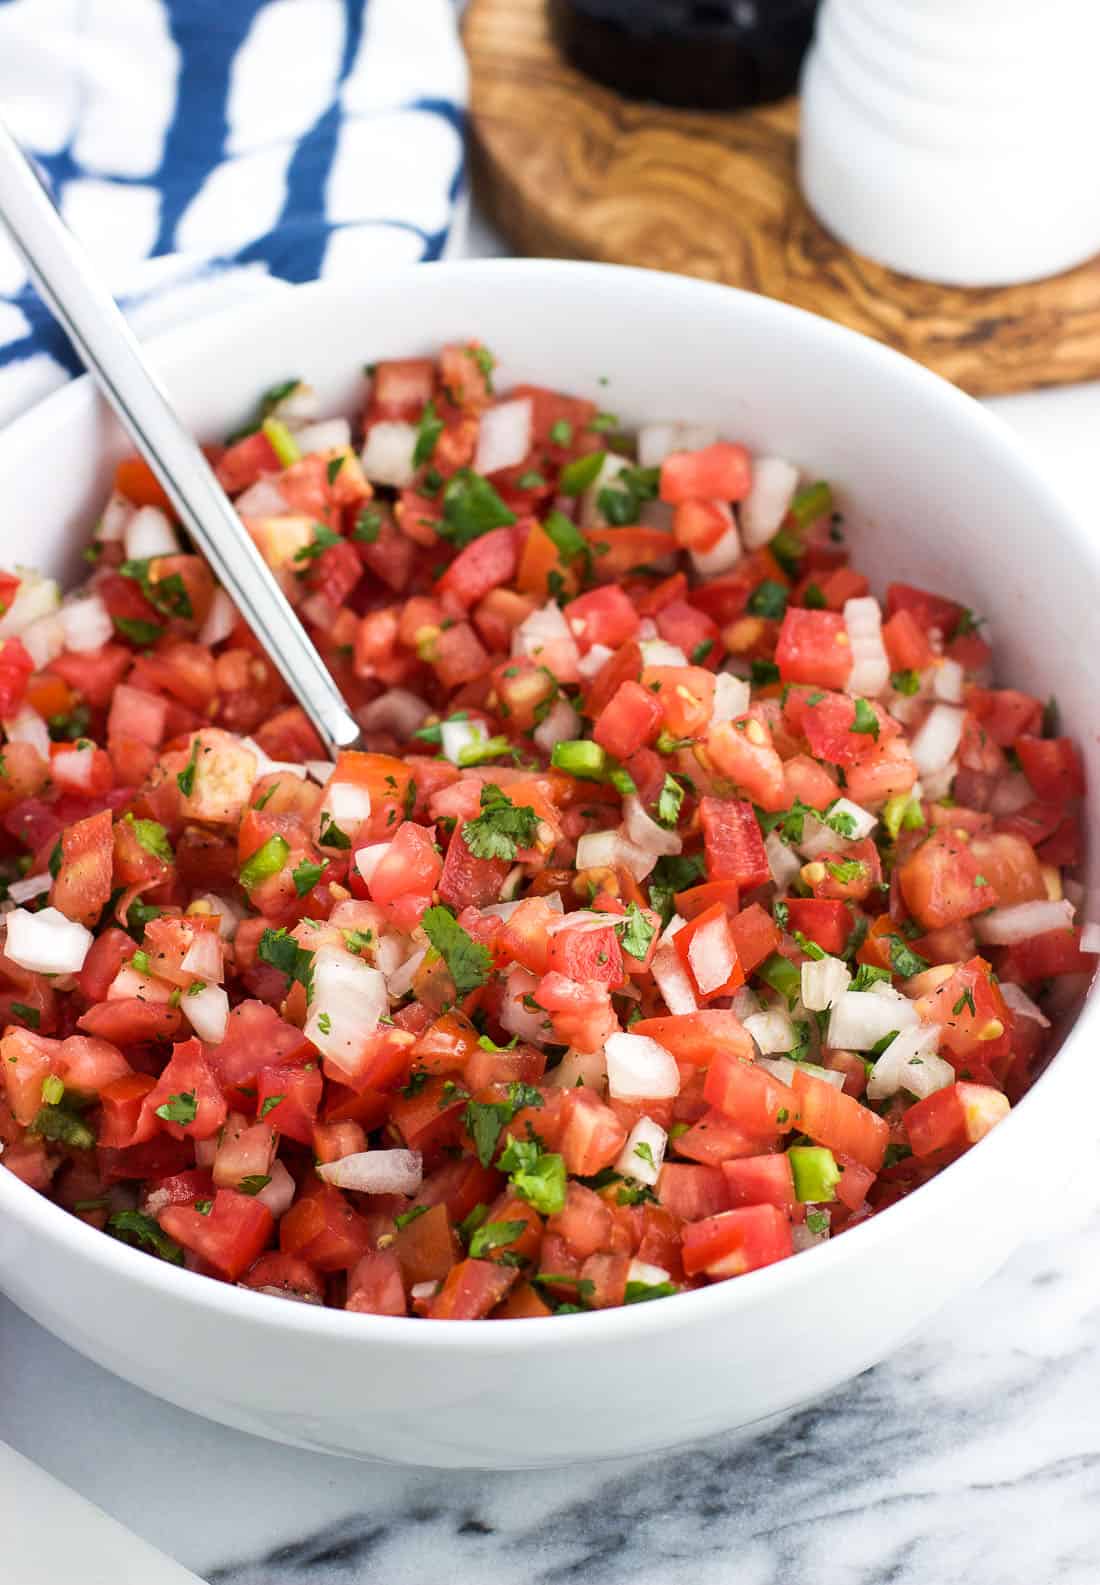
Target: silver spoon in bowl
90, 317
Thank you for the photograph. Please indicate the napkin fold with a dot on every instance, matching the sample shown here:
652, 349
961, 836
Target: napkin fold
205, 150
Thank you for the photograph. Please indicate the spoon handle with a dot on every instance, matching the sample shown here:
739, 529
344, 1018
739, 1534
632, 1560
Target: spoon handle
93, 322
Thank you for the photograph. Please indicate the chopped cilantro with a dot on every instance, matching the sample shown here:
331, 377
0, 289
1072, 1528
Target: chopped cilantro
763, 673
669, 801
845, 872
642, 1292
567, 538
865, 720
468, 962
428, 431
561, 433
636, 932
330, 835
578, 475
182, 1108
284, 953
132, 1227
768, 599
965, 1000
471, 507
138, 632
30, 1016
502, 828
270, 1104
814, 598
168, 595
254, 1182
904, 960
494, 1235
537, 1175
305, 876
701, 651
867, 975
906, 682
671, 874
323, 539
487, 1120
186, 778
368, 526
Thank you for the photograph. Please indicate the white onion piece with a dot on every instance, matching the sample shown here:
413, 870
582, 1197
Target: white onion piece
1090, 937
376, 1171
529, 1023
1020, 1002
44, 640
818, 838
639, 1069
46, 942
562, 725
910, 1063
327, 434
424, 1290
595, 660
649, 836
711, 956
732, 697
656, 652
673, 980
388, 950
397, 711
768, 501
823, 980
203, 957
783, 1069
781, 861
640, 1167
262, 499
128, 982
368, 859
939, 783
543, 627
870, 667
299, 406
112, 525
28, 727
859, 1019
934, 744
588, 1068
1003, 927
590, 515
455, 736
1010, 794
35, 597
220, 621
608, 849
72, 767
642, 1271
350, 998
347, 802
32, 886
207, 1011
947, 682
745, 1003
724, 554
802, 1238
387, 456
229, 915
771, 1030
278, 1194
149, 533
266, 766
658, 441
504, 436
87, 624
399, 981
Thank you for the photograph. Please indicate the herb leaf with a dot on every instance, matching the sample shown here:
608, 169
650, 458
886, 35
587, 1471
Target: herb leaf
471, 507
468, 962
502, 828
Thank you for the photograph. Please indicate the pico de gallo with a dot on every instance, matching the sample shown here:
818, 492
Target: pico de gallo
685, 907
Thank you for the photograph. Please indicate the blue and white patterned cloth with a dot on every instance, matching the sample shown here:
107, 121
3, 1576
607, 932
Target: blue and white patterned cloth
205, 150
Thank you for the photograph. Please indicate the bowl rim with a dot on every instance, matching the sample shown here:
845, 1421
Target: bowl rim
53, 1225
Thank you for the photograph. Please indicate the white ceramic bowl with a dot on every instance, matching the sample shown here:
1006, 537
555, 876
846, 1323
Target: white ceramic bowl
934, 491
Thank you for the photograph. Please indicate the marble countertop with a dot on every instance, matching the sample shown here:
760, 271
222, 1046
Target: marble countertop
971, 1456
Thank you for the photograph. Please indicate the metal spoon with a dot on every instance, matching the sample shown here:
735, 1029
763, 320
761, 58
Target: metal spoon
90, 317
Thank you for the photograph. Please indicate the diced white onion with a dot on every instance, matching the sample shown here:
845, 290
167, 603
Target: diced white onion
220, 621
781, 861
656, 652
818, 838
595, 660
504, 436
768, 501
643, 1271
229, 915
1003, 927
910, 1063
278, 1194
724, 554
859, 1019
771, 1030
207, 1011
327, 434
399, 981
545, 626
649, 836
349, 998
658, 441
1010, 794
458, 735
1090, 937
376, 1171
46, 942
587, 1068
607, 849
783, 1069
112, 525
711, 955
32, 886
939, 783
673, 980
745, 1003
35, 597
44, 640
368, 859
347, 802
299, 406
802, 1238
262, 499
149, 533
203, 957
934, 744
529, 1023
589, 514
27, 726
732, 697
387, 457
424, 1290
947, 682
397, 711
266, 766
640, 1069
1020, 1002
870, 667
823, 980
562, 725
87, 624
72, 767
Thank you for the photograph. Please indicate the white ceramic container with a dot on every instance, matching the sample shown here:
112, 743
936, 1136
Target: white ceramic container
954, 140
935, 491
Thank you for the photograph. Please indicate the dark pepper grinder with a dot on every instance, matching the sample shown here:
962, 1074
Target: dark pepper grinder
697, 54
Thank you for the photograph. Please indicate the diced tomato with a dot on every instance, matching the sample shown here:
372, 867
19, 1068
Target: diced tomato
592, 1136
692, 1192
743, 750
629, 720
1051, 765
375, 1286
823, 920
734, 1242
189, 1088
708, 951
734, 842
581, 953
322, 1228
484, 564
83, 882
953, 1118
1047, 956
229, 1236
16, 667
813, 647
761, 1180
755, 1100
942, 882
472, 1289
834, 1119
721, 472
927, 610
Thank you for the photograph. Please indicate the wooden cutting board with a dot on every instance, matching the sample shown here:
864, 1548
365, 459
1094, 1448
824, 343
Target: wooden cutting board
568, 169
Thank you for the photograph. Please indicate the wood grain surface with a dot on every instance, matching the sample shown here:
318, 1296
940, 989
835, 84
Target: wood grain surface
568, 169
